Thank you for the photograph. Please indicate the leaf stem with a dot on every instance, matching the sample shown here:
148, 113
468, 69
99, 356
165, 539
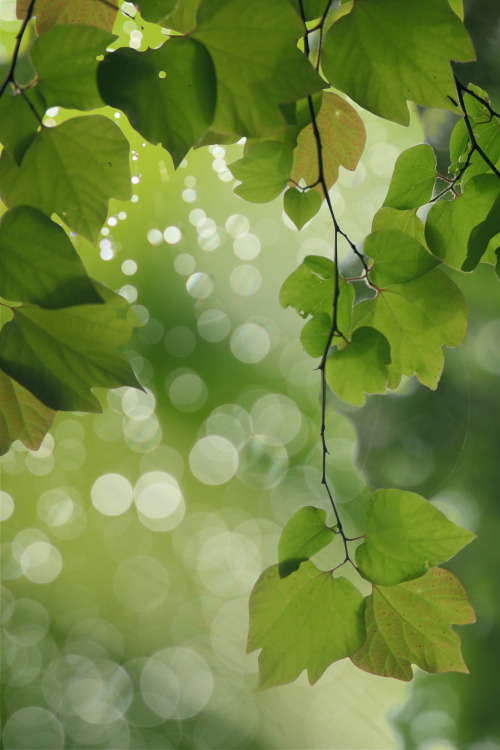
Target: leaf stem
15, 55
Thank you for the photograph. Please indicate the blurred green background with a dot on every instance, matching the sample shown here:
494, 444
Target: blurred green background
131, 539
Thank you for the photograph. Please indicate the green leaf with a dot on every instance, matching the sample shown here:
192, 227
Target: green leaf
263, 171
59, 355
413, 178
360, 367
481, 235
245, 40
406, 221
39, 264
410, 624
304, 534
18, 124
168, 94
390, 64
156, 11
450, 223
418, 318
312, 8
316, 333
72, 169
307, 620
487, 135
171, 14
65, 59
22, 416
88, 12
343, 138
398, 257
405, 536
301, 206
309, 289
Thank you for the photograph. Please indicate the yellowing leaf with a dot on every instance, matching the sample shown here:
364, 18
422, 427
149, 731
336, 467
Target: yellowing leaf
343, 138
51, 12
22, 416
410, 624
307, 620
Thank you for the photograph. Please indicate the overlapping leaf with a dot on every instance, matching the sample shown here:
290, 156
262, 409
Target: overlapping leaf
168, 94
343, 138
413, 178
88, 12
172, 14
360, 367
18, 123
450, 223
304, 534
410, 624
418, 318
73, 170
65, 59
405, 536
263, 171
245, 40
406, 221
301, 206
371, 55
398, 257
59, 355
22, 416
307, 620
39, 264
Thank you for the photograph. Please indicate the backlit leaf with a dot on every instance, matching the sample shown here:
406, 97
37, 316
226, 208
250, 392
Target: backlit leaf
39, 264
405, 536
18, 124
406, 221
391, 65
65, 59
22, 416
343, 138
397, 256
418, 318
48, 13
316, 333
73, 170
307, 620
481, 235
263, 171
245, 40
59, 355
410, 624
168, 94
360, 367
300, 206
303, 535
450, 223
413, 178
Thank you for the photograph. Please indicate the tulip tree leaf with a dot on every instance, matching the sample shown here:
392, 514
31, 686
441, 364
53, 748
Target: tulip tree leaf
59, 355
245, 40
360, 367
168, 94
391, 65
307, 620
171, 14
73, 170
450, 223
405, 536
397, 256
65, 59
481, 235
304, 534
39, 264
48, 13
22, 416
300, 206
418, 318
410, 624
343, 138
18, 124
413, 178
263, 171
406, 221
315, 334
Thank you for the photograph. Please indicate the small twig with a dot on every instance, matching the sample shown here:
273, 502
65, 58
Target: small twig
19, 38
461, 89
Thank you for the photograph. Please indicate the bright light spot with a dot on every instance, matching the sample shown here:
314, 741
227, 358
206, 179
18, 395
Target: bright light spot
197, 216
200, 285
190, 181
277, 416
237, 224
213, 325
188, 392
6, 505
263, 462
157, 495
129, 293
250, 343
137, 404
26, 622
141, 583
245, 280
213, 460
55, 507
155, 237
246, 246
112, 221
41, 562
184, 264
162, 74
129, 267
111, 494
142, 436
33, 726
189, 195
172, 235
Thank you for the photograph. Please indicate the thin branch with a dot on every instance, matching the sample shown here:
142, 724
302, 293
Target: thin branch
19, 38
461, 89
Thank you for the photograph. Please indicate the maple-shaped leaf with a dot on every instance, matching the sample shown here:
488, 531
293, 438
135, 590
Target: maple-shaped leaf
22, 416
405, 536
343, 138
410, 624
245, 41
418, 318
51, 12
73, 170
303, 535
307, 620
385, 52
